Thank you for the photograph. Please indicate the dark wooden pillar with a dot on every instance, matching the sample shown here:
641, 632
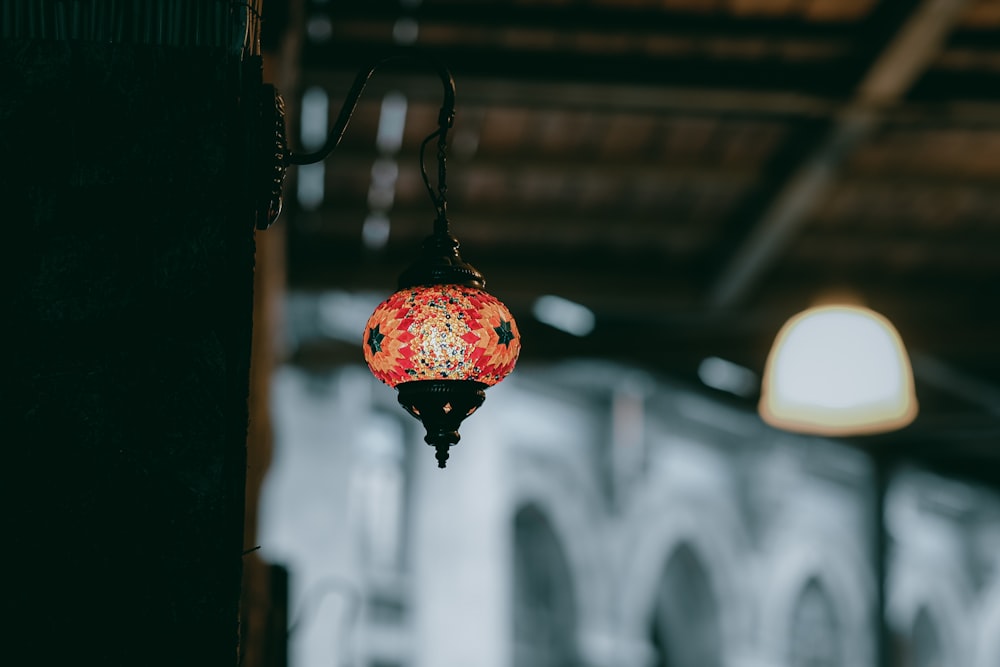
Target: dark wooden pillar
264, 604
128, 269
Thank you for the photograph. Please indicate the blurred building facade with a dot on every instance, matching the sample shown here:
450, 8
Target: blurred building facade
594, 515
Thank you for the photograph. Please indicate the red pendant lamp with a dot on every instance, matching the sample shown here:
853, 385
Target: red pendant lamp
441, 340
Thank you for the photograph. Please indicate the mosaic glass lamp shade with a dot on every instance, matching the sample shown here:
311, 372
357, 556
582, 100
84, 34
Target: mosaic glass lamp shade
838, 370
441, 340
441, 332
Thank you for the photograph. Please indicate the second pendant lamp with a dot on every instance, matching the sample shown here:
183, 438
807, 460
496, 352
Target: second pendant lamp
838, 370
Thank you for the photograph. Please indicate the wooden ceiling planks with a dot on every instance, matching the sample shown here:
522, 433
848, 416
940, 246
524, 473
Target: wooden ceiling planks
620, 153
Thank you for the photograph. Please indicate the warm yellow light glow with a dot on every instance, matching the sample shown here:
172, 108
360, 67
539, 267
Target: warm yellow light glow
838, 370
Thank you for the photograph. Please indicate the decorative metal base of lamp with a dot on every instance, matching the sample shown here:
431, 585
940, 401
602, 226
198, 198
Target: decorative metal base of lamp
441, 405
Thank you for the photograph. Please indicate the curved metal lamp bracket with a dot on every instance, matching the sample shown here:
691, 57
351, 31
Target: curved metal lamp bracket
446, 117
440, 262
273, 157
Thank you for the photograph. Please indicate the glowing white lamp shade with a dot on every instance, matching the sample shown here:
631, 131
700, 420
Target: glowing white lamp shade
838, 370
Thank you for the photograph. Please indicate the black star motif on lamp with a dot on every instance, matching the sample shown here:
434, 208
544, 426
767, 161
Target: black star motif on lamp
504, 333
375, 339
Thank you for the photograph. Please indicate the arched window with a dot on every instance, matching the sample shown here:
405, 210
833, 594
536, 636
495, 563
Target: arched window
686, 620
544, 606
925, 644
816, 634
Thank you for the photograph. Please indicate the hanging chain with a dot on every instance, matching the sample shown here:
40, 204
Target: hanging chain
441, 222
446, 119
442, 182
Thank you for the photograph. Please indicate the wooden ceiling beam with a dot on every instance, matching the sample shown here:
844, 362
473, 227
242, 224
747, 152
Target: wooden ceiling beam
771, 71
506, 89
903, 60
562, 20
629, 168
667, 231
980, 108
638, 285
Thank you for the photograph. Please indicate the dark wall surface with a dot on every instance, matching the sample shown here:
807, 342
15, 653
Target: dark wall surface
127, 302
